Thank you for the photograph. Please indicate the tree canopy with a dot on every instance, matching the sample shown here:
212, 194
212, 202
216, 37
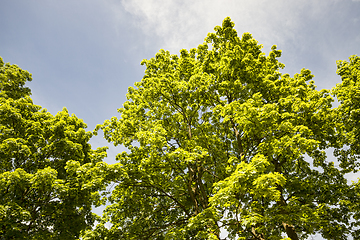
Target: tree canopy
49, 175
221, 145
220, 140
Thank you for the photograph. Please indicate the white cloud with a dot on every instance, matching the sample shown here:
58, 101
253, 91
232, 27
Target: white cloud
184, 24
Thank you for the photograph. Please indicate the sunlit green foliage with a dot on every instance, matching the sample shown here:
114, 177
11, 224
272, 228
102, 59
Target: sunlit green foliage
348, 126
49, 175
219, 140
348, 94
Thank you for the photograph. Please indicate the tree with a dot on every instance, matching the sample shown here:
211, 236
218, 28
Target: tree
49, 175
219, 139
348, 124
348, 93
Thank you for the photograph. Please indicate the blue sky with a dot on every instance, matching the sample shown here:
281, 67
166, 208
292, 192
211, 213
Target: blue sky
84, 54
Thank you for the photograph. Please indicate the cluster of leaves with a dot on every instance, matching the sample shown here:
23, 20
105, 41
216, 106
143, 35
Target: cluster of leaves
348, 125
219, 140
49, 175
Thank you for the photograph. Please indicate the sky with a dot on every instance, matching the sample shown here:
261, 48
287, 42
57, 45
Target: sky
84, 54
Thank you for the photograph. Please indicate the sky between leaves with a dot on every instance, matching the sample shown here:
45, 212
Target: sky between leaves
84, 54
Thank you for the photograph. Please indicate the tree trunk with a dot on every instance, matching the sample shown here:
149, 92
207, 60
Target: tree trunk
290, 231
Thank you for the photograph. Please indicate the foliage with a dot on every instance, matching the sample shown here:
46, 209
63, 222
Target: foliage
49, 175
348, 113
348, 124
219, 139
